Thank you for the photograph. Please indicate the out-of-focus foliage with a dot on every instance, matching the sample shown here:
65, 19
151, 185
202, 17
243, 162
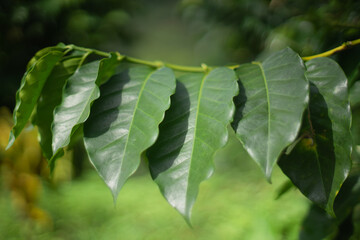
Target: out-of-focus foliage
26, 26
23, 170
20, 169
83, 210
256, 26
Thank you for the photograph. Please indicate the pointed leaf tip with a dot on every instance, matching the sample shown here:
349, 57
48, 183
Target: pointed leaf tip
320, 162
52, 160
268, 174
11, 141
194, 128
124, 122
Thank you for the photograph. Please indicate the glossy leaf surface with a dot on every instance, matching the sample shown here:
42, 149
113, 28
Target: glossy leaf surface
50, 98
124, 121
272, 98
81, 90
320, 162
194, 127
30, 89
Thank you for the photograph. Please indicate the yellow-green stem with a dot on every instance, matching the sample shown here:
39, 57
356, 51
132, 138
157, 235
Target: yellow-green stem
204, 67
342, 47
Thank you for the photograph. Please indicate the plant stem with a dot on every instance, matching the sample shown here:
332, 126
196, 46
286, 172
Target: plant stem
203, 67
342, 47
84, 58
141, 61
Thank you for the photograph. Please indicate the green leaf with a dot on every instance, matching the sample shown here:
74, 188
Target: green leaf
50, 98
194, 127
108, 67
80, 91
355, 94
42, 52
31, 85
320, 162
284, 188
272, 99
124, 122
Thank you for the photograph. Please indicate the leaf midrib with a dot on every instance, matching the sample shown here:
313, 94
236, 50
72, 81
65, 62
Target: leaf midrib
318, 161
89, 99
316, 150
269, 114
132, 120
321, 175
195, 131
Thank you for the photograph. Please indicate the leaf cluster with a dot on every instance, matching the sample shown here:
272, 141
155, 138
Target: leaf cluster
283, 110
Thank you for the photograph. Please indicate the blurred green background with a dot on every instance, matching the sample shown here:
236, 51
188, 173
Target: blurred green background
237, 202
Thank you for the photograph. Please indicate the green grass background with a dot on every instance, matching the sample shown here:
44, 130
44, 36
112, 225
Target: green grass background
235, 203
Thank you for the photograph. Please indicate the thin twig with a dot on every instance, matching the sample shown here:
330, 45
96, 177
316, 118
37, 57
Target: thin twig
181, 68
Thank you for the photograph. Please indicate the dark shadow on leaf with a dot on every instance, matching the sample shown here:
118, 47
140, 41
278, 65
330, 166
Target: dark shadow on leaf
311, 164
105, 109
172, 132
239, 102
